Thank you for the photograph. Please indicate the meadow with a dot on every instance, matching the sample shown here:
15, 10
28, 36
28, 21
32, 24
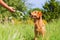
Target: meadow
25, 31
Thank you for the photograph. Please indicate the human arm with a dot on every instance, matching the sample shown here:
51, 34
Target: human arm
6, 6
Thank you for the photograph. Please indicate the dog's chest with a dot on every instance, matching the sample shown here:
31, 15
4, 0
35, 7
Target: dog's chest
37, 24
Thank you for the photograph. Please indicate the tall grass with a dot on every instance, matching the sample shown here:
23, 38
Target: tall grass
53, 30
24, 31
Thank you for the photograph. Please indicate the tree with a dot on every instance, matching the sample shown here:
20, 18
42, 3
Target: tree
51, 10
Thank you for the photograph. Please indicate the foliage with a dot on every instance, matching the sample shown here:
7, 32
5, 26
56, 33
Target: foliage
17, 4
51, 10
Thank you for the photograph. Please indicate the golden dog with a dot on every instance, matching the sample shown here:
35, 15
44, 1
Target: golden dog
39, 25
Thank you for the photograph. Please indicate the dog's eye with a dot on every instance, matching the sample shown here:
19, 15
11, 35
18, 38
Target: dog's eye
34, 16
35, 11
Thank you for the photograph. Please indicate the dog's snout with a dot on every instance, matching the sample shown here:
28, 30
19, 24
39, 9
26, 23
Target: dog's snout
33, 16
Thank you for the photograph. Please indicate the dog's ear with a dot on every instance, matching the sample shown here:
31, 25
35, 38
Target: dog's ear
40, 14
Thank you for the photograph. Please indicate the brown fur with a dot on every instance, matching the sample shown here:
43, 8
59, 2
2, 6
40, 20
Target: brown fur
39, 25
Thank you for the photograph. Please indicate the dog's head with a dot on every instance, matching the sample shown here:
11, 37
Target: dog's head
36, 14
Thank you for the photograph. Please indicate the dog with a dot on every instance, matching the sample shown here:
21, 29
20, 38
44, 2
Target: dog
39, 25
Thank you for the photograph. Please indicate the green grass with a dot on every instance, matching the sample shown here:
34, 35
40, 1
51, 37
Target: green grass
26, 31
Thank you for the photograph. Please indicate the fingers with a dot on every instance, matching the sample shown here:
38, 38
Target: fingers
11, 9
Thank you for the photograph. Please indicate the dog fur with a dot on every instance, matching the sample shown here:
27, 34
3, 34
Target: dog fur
39, 25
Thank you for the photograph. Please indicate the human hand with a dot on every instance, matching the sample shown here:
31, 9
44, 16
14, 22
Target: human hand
11, 9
